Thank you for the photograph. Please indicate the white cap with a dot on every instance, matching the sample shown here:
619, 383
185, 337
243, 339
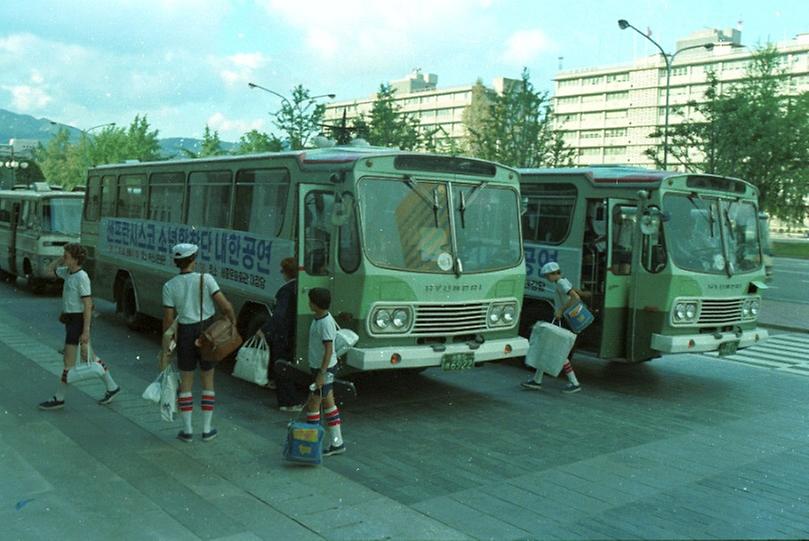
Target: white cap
184, 250
549, 267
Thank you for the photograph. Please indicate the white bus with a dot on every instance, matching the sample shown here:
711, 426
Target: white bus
35, 225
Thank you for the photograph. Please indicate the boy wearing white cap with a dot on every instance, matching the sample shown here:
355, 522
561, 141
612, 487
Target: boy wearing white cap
564, 297
181, 299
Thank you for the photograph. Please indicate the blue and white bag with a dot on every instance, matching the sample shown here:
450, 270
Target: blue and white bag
304, 443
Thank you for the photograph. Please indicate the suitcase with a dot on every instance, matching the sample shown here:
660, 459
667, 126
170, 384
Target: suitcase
578, 317
304, 443
548, 347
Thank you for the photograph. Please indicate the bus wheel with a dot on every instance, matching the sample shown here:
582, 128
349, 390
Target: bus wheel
128, 306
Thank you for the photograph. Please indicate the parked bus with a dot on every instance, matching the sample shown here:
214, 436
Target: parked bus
422, 253
35, 224
668, 262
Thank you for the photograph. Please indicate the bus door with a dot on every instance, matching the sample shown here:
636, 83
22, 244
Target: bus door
621, 215
314, 252
14, 225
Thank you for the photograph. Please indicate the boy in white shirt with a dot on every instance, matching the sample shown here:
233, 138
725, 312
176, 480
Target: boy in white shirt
77, 315
323, 365
564, 297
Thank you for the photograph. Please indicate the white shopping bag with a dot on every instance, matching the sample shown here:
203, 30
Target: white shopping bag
86, 367
169, 381
253, 360
152, 392
548, 347
344, 340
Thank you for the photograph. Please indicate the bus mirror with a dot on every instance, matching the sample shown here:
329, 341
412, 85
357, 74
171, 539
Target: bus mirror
523, 205
650, 221
337, 178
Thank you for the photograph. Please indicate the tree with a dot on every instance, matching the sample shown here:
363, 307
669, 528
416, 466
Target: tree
516, 129
141, 144
52, 157
298, 120
754, 131
211, 144
256, 141
388, 126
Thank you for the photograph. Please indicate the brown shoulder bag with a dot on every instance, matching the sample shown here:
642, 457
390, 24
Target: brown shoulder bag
221, 338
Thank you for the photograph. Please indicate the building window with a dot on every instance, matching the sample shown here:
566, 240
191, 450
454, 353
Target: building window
679, 71
592, 98
591, 117
615, 132
618, 77
620, 113
615, 151
570, 100
592, 80
567, 83
590, 151
617, 96
591, 134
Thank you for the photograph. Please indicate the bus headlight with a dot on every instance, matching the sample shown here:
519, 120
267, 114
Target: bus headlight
382, 319
679, 312
400, 319
509, 313
685, 311
495, 314
754, 306
746, 310
690, 311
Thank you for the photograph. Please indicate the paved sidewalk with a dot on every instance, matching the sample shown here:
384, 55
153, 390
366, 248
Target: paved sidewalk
682, 447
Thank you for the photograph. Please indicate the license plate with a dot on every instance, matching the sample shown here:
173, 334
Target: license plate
457, 361
728, 348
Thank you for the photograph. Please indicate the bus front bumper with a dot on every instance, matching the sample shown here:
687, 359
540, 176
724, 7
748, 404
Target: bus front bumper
425, 356
698, 343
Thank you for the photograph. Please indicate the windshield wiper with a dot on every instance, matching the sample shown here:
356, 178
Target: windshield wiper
708, 207
464, 203
433, 203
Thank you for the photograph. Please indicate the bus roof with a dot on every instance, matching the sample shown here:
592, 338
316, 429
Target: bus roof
606, 175
315, 158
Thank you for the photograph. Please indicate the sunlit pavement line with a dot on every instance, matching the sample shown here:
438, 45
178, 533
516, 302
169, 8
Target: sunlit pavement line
782, 352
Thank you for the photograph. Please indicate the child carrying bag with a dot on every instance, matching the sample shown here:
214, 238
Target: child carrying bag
220, 338
578, 317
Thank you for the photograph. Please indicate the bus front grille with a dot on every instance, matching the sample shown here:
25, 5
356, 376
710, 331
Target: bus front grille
720, 311
450, 318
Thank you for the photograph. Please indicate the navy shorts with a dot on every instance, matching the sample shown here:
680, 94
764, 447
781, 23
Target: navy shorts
327, 387
188, 356
74, 325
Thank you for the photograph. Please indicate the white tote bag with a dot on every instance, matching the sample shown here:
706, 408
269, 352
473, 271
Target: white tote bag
344, 340
548, 347
86, 367
253, 360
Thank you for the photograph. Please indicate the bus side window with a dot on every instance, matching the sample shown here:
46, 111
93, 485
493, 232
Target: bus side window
130, 196
317, 232
108, 195
166, 197
653, 250
261, 197
209, 199
349, 238
92, 202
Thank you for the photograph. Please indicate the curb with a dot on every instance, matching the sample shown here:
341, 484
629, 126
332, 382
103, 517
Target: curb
783, 327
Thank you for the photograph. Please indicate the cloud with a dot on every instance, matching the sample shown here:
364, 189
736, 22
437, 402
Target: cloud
523, 47
27, 99
240, 68
220, 123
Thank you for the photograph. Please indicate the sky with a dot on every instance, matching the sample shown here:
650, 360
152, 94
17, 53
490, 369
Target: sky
186, 63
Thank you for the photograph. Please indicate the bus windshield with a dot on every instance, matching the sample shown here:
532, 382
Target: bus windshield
62, 215
713, 236
487, 226
406, 225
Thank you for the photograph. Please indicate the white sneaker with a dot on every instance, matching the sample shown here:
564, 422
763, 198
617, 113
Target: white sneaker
293, 408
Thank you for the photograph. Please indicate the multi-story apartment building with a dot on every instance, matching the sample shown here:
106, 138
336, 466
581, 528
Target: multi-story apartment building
608, 113
418, 95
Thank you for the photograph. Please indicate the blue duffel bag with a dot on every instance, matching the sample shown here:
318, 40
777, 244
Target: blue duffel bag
578, 317
304, 443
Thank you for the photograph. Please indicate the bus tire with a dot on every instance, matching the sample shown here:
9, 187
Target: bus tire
127, 306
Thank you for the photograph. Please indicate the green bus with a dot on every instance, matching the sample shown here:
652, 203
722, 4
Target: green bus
422, 253
668, 262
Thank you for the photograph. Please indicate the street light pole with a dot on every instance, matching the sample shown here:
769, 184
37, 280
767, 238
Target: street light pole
623, 24
295, 109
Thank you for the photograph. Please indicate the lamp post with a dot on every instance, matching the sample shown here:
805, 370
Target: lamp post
294, 111
623, 24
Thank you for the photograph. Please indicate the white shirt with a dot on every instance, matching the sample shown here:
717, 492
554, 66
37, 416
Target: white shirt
561, 293
321, 331
77, 286
182, 294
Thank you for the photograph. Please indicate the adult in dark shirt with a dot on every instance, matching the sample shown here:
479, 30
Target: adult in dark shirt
280, 333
